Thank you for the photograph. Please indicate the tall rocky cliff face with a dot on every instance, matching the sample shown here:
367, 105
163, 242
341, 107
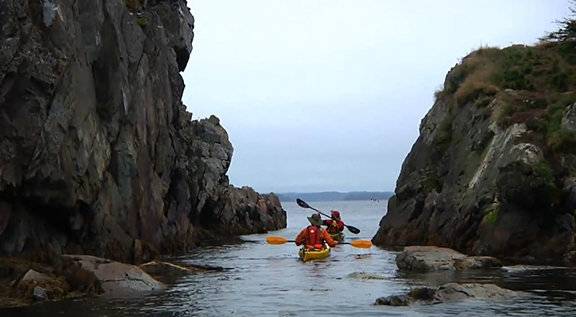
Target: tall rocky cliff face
97, 152
493, 171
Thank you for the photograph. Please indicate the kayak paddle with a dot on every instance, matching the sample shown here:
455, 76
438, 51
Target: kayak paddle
363, 244
303, 204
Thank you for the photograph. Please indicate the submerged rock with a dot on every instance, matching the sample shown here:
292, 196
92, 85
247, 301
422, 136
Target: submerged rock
159, 268
430, 258
524, 268
365, 276
450, 292
204, 267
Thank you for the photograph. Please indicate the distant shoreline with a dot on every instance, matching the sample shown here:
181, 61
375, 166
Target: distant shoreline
335, 196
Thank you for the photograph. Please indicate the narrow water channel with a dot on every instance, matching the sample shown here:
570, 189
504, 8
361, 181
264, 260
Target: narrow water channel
267, 280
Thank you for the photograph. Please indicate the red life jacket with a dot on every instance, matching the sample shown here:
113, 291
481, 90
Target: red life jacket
314, 237
334, 226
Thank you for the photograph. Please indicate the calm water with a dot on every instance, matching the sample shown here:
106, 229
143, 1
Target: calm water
267, 280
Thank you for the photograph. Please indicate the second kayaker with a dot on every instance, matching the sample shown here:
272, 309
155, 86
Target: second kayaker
334, 225
314, 235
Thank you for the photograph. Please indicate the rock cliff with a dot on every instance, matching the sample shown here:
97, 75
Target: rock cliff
97, 152
493, 171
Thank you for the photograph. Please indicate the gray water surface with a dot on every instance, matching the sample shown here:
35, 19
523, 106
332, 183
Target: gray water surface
268, 280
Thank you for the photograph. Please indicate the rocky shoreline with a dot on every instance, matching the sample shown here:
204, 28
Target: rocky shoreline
73, 276
98, 154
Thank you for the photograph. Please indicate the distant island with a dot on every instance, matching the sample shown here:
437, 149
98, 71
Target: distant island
335, 196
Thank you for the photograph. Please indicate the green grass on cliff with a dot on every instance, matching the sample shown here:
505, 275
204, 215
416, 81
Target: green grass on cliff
533, 85
547, 69
516, 84
491, 214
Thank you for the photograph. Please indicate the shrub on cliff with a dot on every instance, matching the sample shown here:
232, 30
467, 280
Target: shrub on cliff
533, 84
567, 28
546, 68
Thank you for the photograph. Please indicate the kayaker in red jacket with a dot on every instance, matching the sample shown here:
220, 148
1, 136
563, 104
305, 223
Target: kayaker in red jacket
314, 235
335, 225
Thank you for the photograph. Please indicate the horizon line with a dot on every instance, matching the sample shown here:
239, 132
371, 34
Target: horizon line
334, 191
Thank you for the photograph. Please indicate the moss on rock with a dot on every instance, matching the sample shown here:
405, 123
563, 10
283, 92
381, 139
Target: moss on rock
491, 213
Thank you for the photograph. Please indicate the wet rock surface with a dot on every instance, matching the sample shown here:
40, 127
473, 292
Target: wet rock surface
449, 292
429, 259
160, 268
170, 272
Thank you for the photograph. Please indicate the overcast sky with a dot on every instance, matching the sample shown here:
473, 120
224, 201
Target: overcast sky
328, 95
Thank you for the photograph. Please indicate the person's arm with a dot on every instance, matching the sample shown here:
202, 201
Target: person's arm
341, 225
326, 222
301, 237
328, 238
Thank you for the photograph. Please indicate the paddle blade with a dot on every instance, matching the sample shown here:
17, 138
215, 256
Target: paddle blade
276, 240
363, 244
302, 203
353, 229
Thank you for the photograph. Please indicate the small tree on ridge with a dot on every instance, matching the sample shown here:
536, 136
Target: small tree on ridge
567, 31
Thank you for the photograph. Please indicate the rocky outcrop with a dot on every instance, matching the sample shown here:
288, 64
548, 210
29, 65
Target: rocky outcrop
71, 276
429, 259
97, 152
449, 292
493, 170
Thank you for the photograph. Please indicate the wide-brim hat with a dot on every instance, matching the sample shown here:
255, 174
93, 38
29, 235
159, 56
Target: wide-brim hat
315, 220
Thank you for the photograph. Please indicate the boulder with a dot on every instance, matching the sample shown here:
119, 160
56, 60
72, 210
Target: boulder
41, 294
32, 275
430, 258
117, 277
450, 292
